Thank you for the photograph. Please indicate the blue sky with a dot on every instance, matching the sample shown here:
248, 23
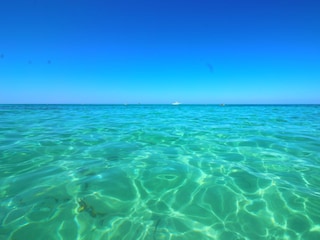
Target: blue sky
152, 51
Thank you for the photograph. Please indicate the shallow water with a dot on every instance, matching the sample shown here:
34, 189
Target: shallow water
159, 172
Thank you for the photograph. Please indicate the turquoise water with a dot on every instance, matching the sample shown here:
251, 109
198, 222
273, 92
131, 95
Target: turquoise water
159, 172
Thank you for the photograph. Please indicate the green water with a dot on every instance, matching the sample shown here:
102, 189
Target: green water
159, 172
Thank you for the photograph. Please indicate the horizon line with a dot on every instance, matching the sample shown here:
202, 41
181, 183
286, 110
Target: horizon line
124, 104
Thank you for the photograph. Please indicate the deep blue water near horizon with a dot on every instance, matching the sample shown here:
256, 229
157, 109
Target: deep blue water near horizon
159, 172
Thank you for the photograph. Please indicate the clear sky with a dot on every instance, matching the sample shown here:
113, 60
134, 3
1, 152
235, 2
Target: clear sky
159, 51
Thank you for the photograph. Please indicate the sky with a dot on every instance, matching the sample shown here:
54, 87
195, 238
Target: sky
160, 51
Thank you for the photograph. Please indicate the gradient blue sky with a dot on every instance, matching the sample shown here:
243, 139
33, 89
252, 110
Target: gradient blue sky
152, 51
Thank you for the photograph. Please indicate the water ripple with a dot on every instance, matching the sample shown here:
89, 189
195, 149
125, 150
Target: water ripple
159, 172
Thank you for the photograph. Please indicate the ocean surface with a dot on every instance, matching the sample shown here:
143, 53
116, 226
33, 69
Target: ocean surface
159, 172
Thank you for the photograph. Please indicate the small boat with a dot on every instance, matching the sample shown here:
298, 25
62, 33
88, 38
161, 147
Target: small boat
175, 103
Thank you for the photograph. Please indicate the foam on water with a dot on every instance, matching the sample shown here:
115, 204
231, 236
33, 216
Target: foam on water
159, 172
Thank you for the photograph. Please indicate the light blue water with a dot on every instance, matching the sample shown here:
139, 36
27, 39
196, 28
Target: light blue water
159, 172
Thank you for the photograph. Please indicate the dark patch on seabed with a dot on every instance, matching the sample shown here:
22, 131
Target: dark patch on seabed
156, 228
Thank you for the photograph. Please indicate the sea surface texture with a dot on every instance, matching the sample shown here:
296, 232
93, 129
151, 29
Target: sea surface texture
159, 172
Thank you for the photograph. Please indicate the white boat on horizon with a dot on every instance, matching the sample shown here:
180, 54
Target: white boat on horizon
175, 103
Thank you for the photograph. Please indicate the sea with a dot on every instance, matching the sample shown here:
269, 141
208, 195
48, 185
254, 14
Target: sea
90, 172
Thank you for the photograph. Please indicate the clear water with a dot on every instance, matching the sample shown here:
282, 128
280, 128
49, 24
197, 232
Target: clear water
159, 172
